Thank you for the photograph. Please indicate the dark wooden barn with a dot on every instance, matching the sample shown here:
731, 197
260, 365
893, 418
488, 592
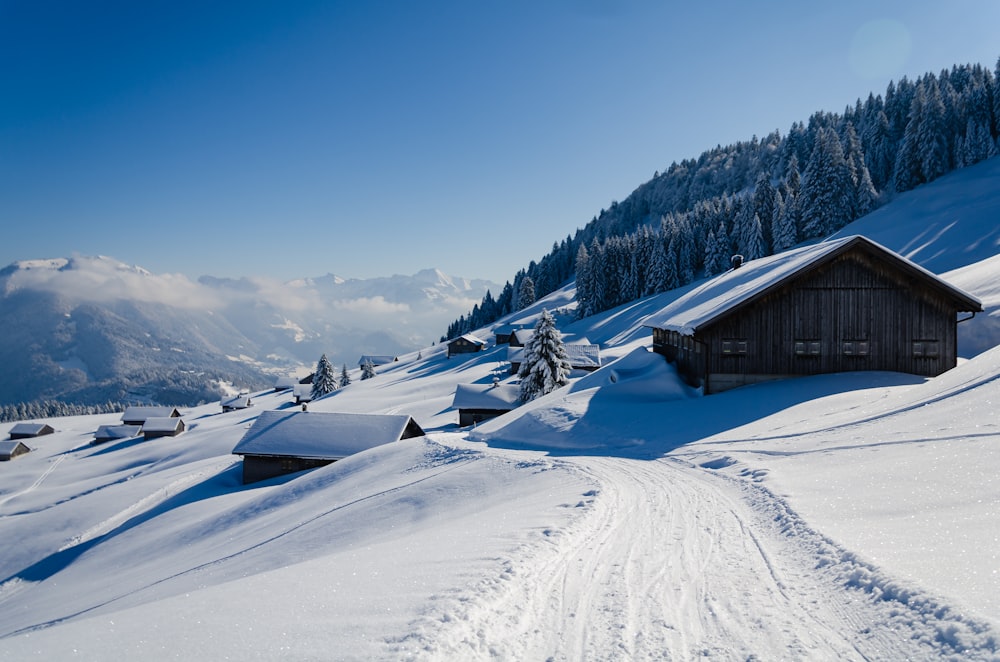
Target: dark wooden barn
480, 402
11, 449
503, 333
30, 430
162, 426
842, 305
466, 344
283, 442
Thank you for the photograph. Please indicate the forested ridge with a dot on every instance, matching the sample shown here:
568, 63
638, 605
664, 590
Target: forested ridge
764, 195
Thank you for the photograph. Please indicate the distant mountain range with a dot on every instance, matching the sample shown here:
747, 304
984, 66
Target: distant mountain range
92, 329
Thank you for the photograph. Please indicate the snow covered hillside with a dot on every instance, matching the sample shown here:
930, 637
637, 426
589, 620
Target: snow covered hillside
853, 516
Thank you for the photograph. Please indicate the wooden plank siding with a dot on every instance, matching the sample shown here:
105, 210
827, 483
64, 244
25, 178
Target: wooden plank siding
854, 312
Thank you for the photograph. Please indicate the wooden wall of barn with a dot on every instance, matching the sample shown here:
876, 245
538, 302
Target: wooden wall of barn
262, 467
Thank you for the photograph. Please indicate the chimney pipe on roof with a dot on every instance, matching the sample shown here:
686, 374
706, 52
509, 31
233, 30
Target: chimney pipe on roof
737, 261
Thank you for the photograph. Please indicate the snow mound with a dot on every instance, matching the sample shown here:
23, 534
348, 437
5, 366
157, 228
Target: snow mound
606, 412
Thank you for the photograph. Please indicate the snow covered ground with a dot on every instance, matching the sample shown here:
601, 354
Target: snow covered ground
850, 517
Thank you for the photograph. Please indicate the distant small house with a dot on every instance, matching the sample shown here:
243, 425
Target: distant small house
283, 442
162, 426
302, 393
503, 333
466, 344
376, 359
520, 337
284, 383
847, 304
30, 430
481, 402
232, 403
138, 415
111, 432
11, 449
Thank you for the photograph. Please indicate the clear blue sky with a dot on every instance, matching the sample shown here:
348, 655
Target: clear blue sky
368, 138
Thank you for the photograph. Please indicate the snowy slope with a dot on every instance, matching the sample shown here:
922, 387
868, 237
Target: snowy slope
850, 517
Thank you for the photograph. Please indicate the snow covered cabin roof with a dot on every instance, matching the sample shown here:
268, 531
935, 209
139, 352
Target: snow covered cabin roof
109, 432
138, 415
285, 382
583, 356
28, 430
739, 287
486, 396
235, 402
377, 359
523, 335
322, 435
470, 338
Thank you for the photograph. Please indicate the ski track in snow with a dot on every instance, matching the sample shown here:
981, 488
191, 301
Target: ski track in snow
672, 561
38, 481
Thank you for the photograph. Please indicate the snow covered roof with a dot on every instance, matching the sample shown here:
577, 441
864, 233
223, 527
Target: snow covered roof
738, 287
140, 414
322, 435
376, 359
523, 335
486, 396
30, 430
515, 354
285, 382
303, 392
235, 402
507, 329
162, 424
583, 356
117, 431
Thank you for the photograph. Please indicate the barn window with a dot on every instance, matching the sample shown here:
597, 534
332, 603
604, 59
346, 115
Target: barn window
734, 346
854, 348
928, 349
807, 348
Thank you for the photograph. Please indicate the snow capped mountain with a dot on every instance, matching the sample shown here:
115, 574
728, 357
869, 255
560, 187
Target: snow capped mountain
95, 329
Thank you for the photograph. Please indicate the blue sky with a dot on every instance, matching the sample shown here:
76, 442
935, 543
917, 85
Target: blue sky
290, 139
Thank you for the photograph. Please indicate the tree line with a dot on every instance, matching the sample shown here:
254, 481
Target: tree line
762, 196
23, 411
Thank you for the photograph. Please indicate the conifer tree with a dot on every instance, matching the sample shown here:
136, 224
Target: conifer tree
324, 379
584, 295
782, 225
525, 293
367, 369
826, 200
545, 366
345, 378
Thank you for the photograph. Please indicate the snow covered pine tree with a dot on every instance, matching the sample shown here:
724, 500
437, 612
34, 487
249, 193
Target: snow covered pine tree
324, 379
545, 366
367, 369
